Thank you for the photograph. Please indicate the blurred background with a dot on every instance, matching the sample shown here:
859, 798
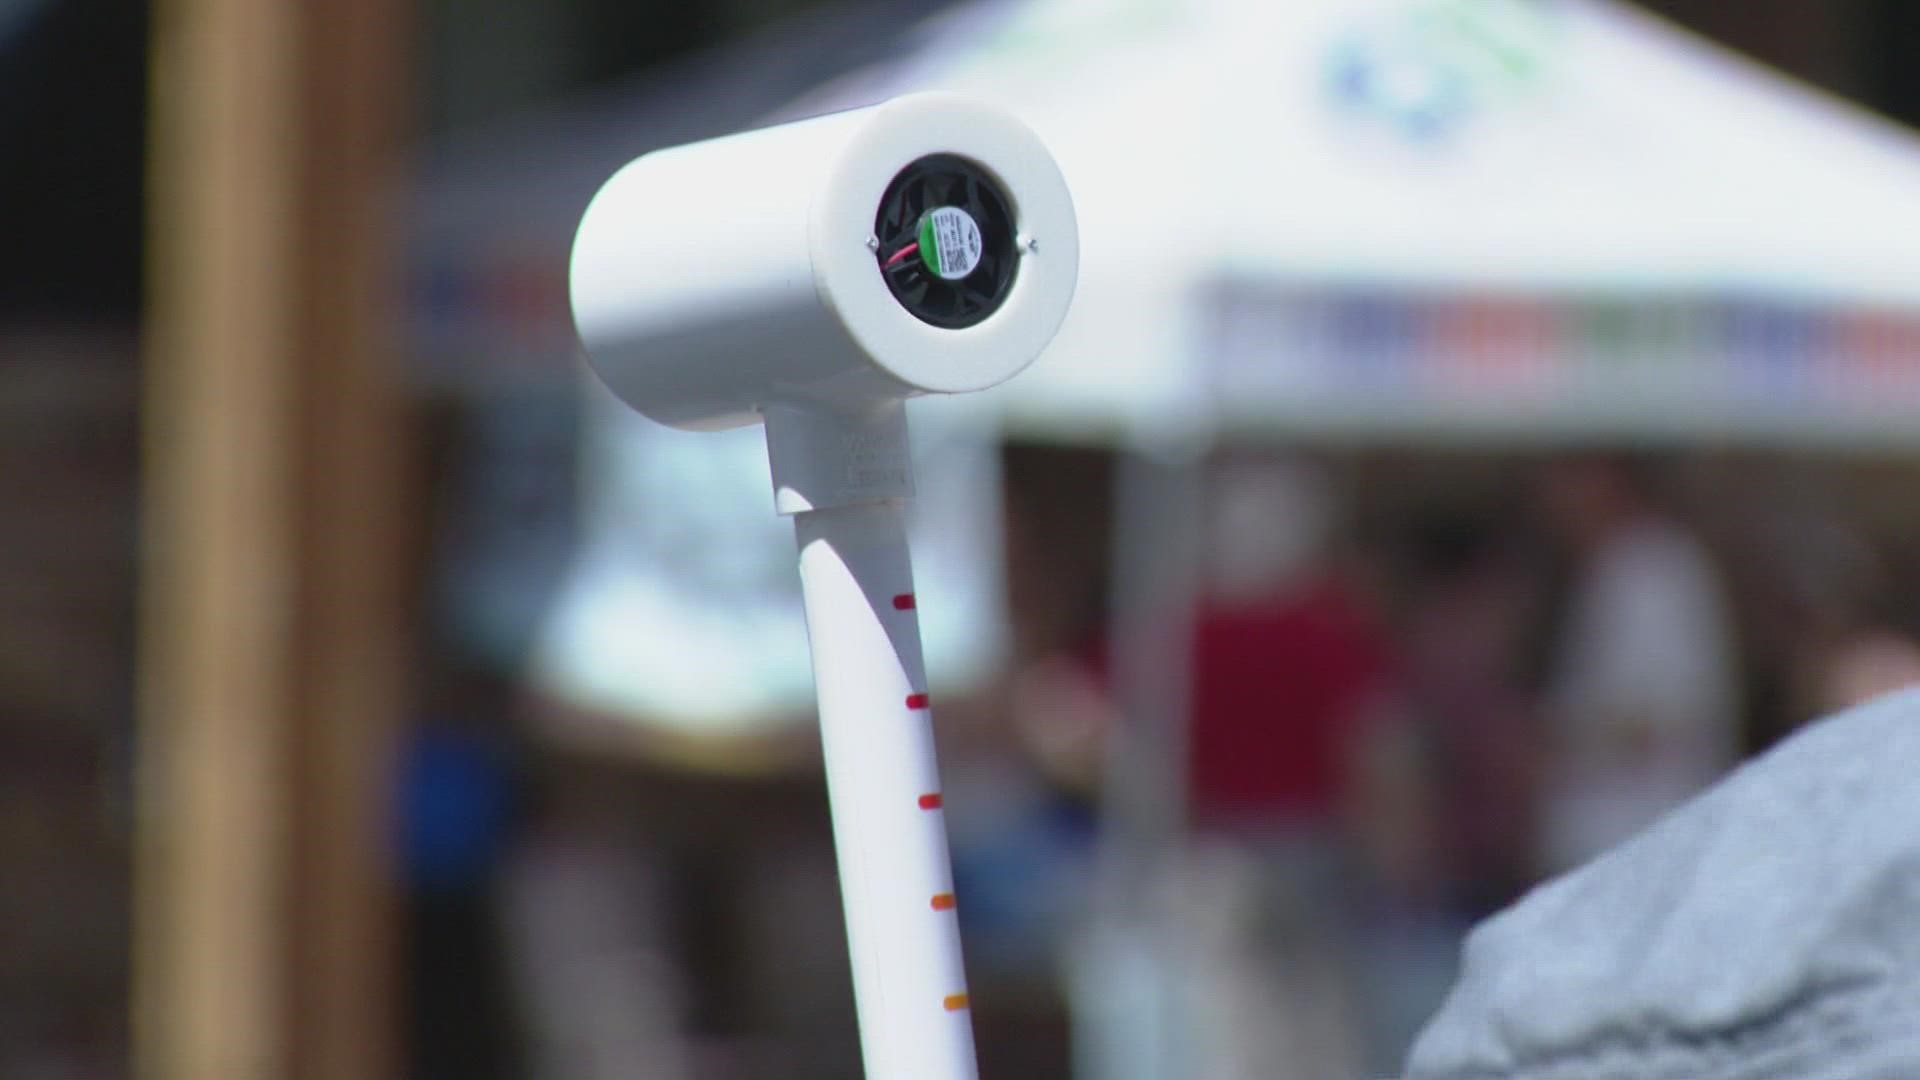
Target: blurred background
1483, 422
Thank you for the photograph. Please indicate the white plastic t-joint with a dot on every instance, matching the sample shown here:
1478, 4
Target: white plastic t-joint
821, 458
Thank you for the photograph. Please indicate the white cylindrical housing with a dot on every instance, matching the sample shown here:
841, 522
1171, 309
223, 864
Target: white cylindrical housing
888, 822
714, 280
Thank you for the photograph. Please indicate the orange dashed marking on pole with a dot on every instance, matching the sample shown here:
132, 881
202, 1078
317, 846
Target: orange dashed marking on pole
918, 701
904, 602
955, 1002
931, 802
943, 902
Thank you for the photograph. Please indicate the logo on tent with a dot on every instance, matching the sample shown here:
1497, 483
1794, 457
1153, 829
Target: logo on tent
1427, 68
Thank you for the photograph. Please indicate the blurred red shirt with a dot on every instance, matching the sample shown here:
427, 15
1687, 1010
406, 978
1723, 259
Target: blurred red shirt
1280, 689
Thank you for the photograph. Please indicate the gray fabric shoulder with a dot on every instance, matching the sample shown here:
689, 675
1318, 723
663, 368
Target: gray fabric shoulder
1768, 928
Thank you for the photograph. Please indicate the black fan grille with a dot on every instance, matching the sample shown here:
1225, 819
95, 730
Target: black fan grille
927, 184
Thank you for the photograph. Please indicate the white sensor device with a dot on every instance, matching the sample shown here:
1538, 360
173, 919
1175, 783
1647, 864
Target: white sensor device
813, 276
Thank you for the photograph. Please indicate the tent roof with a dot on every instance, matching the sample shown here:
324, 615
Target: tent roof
1341, 176
1284, 189
1545, 145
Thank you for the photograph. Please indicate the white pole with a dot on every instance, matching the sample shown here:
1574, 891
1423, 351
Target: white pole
884, 782
1135, 937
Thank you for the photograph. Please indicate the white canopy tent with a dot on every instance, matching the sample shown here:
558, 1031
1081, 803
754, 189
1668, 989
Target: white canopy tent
1387, 220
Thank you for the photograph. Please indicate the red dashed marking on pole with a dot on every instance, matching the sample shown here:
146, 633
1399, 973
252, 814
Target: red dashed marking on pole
943, 902
904, 602
955, 1002
918, 701
931, 802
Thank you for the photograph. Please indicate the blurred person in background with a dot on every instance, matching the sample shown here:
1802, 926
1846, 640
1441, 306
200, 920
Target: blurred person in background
1642, 708
1289, 663
1444, 794
458, 805
1459, 684
1286, 661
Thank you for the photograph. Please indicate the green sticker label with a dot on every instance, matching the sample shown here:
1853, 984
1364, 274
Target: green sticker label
950, 242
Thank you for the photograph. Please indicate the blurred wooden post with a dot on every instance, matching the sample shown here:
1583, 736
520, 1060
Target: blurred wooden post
271, 625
